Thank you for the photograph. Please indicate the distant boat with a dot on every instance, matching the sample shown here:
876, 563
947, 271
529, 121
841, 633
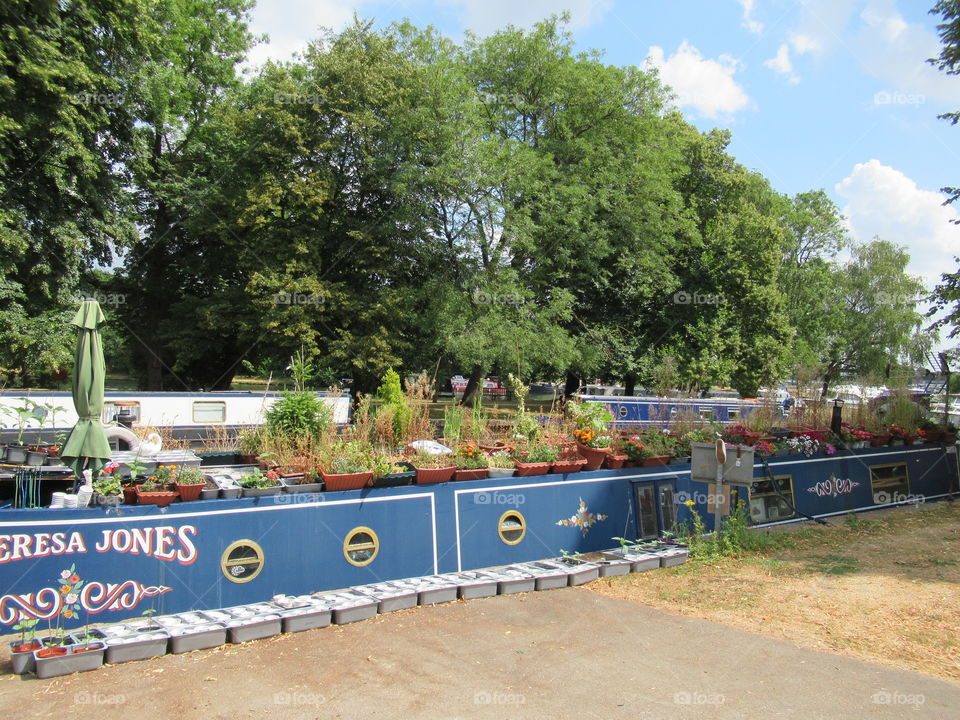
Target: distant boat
190, 414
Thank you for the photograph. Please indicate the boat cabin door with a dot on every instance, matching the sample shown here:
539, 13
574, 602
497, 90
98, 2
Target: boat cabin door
656, 511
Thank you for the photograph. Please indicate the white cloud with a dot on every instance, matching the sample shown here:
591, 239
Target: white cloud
484, 17
748, 21
883, 202
780, 63
708, 86
895, 51
806, 44
292, 24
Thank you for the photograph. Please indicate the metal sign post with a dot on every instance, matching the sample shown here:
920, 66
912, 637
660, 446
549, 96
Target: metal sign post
719, 499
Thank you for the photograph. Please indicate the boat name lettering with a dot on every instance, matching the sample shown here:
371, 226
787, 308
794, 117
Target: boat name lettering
164, 543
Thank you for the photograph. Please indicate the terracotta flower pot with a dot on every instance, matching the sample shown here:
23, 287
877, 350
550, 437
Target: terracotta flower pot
160, 498
346, 481
614, 462
879, 440
129, 495
528, 469
190, 492
593, 456
656, 460
571, 465
429, 476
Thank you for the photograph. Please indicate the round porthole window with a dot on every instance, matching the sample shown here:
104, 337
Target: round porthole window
512, 527
361, 546
242, 561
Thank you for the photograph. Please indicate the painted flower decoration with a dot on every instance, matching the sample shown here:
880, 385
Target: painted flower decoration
582, 519
71, 599
65, 574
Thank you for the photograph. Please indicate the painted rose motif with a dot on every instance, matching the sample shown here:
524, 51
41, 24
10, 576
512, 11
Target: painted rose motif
583, 519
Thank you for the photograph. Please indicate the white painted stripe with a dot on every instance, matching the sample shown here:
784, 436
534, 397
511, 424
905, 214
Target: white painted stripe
433, 515
456, 520
220, 513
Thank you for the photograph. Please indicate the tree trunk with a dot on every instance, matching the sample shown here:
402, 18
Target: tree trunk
572, 385
474, 385
630, 385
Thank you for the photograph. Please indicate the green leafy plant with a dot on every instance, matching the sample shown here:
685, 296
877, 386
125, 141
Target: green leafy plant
391, 395
190, 476
300, 413
500, 459
543, 454
259, 480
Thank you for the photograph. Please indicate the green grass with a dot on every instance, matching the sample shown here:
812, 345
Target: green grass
833, 564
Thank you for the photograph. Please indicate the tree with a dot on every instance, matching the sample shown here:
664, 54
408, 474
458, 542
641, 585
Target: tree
65, 134
947, 292
875, 308
949, 60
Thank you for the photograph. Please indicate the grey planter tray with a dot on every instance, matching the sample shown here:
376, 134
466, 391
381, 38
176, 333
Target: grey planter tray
475, 585
130, 648
243, 630
350, 606
436, 589
515, 580
309, 617
612, 567
260, 492
71, 662
197, 637
389, 597
548, 577
639, 561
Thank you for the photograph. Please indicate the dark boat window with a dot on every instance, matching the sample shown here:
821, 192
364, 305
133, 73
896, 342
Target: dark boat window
667, 509
242, 561
647, 512
890, 483
361, 546
512, 527
733, 413
706, 413
766, 503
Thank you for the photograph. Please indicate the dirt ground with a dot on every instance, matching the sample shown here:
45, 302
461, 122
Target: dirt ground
884, 589
580, 652
556, 654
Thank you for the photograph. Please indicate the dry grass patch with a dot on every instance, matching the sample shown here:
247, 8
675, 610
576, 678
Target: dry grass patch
885, 590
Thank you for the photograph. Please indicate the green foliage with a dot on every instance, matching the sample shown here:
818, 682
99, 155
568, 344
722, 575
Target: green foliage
302, 414
391, 395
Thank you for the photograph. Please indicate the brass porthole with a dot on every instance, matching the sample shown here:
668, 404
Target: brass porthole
361, 546
242, 561
512, 527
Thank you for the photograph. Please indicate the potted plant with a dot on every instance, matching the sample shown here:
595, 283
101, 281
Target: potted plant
150, 492
17, 451
259, 483
592, 435
189, 483
347, 466
394, 472
536, 461
471, 463
897, 435
106, 488
135, 470
636, 451
21, 653
500, 464
566, 465
433, 468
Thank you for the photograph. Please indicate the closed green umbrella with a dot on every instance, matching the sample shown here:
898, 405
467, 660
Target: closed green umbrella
87, 446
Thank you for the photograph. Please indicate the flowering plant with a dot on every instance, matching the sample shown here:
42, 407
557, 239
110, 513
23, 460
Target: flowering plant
591, 420
469, 457
634, 449
258, 479
763, 448
806, 444
896, 432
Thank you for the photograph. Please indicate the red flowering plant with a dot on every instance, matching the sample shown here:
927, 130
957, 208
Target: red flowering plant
634, 449
763, 448
896, 432
738, 435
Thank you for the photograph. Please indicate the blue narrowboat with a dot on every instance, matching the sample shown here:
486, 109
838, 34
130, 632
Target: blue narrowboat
639, 411
209, 554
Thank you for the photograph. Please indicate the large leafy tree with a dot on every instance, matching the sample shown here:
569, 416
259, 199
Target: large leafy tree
174, 94
65, 134
877, 325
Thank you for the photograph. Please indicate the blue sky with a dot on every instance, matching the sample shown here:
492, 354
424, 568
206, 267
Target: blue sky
831, 94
